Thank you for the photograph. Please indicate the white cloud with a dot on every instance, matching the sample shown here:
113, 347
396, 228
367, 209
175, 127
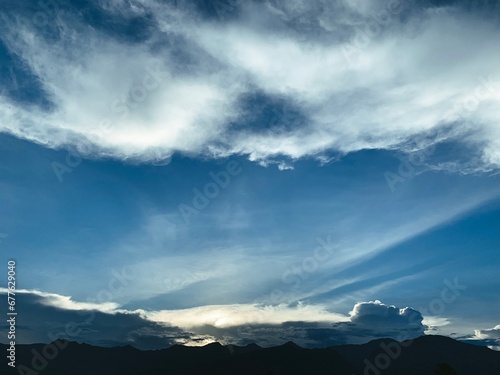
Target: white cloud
243, 314
493, 333
490, 336
403, 79
376, 313
66, 302
122, 98
52, 315
435, 324
308, 325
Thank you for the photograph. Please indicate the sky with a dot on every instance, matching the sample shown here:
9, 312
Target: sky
184, 172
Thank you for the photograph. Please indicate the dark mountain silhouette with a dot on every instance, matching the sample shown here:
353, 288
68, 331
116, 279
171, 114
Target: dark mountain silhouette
424, 355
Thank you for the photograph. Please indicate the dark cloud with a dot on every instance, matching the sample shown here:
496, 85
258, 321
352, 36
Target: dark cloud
41, 320
46, 317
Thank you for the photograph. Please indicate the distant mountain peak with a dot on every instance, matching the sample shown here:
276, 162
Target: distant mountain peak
291, 344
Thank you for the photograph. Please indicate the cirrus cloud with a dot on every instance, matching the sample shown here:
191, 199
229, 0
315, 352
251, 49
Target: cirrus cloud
183, 88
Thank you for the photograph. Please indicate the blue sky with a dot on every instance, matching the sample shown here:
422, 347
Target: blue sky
322, 172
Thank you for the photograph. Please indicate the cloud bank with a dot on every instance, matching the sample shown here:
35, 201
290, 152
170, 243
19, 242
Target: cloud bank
141, 80
48, 316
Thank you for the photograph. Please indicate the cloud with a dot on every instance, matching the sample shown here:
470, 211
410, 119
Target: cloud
353, 72
47, 316
398, 323
375, 313
489, 333
237, 315
116, 98
65, 302
490, 337
308, 326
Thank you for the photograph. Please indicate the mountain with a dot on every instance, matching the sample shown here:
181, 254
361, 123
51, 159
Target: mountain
421, 356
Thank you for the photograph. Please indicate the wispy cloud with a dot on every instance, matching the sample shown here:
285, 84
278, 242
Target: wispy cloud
182, 88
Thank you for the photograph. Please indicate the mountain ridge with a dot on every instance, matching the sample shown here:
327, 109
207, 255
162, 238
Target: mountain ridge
420, 356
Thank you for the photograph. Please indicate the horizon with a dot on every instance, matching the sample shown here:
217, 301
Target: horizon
61, 344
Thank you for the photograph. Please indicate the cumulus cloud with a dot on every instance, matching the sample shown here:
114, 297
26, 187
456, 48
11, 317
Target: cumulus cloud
361, 76
375, 313
47, 316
